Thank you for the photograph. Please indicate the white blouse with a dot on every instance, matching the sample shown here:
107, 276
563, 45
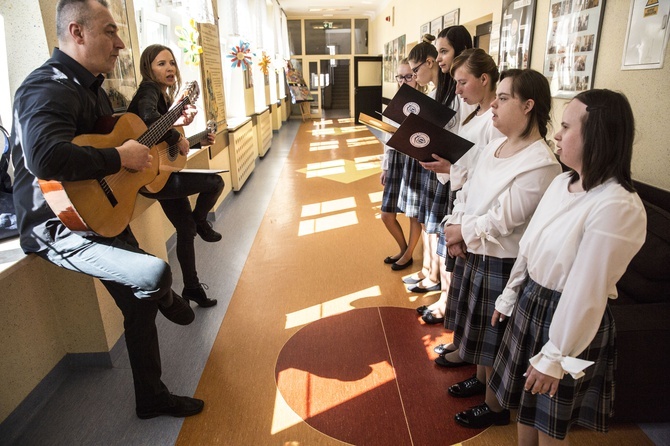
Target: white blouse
480, 131
497, 201
579, 244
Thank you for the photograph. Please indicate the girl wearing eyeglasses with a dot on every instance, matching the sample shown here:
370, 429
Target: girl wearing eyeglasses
394, 182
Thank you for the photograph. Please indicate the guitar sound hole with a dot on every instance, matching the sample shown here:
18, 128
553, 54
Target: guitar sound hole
173, 152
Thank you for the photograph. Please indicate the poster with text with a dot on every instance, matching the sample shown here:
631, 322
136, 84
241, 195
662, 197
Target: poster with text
212, 74
516, 33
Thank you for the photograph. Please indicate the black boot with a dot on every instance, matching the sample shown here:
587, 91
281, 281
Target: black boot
198, 296
205, 231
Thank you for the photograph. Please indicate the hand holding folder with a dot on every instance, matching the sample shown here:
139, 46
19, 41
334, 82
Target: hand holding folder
419, 139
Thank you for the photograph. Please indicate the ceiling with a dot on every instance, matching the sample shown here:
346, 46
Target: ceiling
337, 8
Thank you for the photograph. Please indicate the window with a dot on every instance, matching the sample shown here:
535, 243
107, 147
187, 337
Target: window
294, 37
361, 36
320, 35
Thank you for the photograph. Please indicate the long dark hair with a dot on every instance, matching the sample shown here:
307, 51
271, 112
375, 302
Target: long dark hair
529, 84
608, 131
460, 39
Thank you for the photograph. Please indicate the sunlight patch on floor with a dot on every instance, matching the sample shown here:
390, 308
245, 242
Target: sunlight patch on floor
376, 197
363, 141
325, 207
283, 416
321, 224
333, 144
344, 170
329, 308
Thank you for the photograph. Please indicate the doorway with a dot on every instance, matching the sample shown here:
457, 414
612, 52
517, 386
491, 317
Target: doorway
328, 81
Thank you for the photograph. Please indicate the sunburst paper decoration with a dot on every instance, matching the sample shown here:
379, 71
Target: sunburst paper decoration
265, 63
188, 42
240, 55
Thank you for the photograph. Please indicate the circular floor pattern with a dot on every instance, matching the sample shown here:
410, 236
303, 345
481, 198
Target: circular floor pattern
367, 377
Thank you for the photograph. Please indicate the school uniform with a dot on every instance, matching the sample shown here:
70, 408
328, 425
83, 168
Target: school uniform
493, 209
576, 248
393, 163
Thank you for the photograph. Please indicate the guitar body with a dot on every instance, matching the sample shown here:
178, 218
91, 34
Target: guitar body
170, 160
103, 206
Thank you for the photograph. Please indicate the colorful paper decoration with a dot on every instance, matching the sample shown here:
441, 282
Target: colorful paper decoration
265, 63
240, 55
188, 42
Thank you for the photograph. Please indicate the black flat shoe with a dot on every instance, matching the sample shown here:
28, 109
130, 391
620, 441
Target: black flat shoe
398, 267
177, 406
428, 318
443, 350
444, 362
420, 289
469, 387
422, 309
206, 232
179, 312
482, 416
390, 260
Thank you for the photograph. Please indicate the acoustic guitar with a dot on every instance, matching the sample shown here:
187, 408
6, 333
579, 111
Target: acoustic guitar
171, 160
105, 206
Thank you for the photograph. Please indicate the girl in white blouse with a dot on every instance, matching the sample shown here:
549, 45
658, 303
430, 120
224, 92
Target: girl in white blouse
556, 362
490, 214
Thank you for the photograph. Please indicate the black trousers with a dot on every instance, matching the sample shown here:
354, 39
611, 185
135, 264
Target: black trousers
173, 198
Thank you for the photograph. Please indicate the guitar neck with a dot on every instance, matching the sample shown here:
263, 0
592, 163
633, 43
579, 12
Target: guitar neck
195, 139
156, 131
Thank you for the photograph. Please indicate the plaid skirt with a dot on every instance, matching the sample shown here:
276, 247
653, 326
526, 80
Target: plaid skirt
587, 401
391, 193
454, 304
410, 188
441, 240
483, 280
438, 208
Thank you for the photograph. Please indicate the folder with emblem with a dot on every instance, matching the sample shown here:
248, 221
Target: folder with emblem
419, 139
409, 100
380, 129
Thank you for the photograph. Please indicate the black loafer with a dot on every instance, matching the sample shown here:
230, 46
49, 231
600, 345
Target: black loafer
443, 350
206, 232
180, 312
390, 260
422, 309
420, 289
444, 362
482, 416
398, 267
177, 406
429, 319
469, 387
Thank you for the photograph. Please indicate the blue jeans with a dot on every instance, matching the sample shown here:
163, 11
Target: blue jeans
136, 280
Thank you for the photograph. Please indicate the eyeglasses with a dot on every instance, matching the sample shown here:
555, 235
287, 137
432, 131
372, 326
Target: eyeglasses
416, 69
406, 78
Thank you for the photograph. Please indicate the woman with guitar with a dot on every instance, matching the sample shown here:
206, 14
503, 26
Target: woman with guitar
160, 83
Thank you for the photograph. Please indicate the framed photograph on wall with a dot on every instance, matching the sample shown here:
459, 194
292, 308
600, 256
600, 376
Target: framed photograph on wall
647, 35
572, 45
121, 82
425, 29
516, 33
450, 19
436, 26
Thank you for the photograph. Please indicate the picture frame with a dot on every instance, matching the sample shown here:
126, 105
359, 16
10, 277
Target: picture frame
573, 35
425, 29
394, 52
436, 26
516, 33
121, 83
451, 18
646, 35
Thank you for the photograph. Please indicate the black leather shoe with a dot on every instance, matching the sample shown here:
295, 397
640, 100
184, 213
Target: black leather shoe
444, 362
482, 416
205, 231
443, 350
179, 312
420, 289
177, 406
390, 260
198, 296
430, 319
469, 387
422, 309
398, 267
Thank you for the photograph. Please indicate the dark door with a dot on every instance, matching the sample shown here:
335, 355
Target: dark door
367, 85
